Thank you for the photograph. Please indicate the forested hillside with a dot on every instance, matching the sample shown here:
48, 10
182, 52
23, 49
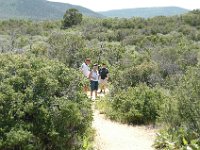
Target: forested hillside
145, 12
38, 9
154, 69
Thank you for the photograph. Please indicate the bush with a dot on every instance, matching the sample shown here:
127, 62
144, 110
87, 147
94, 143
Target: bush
132, 76
136, 105
41, 106
188, 97
181, 115
177, 139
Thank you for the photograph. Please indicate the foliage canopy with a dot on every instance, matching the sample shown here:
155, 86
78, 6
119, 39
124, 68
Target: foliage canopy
71, 17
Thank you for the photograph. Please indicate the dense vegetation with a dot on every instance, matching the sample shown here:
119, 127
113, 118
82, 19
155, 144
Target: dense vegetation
154, 72
41, 106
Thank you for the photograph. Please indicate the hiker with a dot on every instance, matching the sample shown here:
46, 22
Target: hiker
94, 77
103, 78
86, 71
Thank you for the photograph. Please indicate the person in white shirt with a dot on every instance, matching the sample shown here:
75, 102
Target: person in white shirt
85, 69
94, 77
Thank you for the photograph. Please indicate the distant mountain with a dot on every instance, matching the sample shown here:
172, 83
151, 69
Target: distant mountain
38, 9
145, 12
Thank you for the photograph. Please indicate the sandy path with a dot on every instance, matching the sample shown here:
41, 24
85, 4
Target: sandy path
114, 136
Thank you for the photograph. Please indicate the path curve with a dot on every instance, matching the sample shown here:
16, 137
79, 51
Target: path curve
114, 136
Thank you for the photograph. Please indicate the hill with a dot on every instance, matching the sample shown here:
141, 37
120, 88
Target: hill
38, 9
145, 12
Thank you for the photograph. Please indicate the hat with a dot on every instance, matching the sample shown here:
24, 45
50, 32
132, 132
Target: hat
87, 59
95, 65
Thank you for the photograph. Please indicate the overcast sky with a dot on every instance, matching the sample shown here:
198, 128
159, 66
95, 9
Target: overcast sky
102, 5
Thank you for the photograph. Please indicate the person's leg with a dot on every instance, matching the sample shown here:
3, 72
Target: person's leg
95, 94
99, 85
91, 88
96, 88
91, 93
103, 86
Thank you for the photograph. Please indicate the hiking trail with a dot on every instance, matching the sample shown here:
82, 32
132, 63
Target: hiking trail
111, 135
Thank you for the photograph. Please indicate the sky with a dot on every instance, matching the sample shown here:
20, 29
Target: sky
103, 5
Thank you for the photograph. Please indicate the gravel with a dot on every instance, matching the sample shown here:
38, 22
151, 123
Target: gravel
115, 136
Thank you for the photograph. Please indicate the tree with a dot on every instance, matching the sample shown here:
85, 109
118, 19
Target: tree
67, 48
71, 17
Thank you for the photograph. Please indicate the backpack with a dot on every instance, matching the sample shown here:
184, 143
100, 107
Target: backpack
103, 73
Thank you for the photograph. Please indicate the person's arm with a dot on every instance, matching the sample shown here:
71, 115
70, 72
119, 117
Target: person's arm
81, 68
99, 75
107, 76
90, 75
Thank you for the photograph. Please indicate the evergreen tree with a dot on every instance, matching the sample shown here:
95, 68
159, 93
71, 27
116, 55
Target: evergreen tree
71, 17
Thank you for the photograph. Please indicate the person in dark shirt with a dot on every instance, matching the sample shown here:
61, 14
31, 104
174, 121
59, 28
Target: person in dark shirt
103, 78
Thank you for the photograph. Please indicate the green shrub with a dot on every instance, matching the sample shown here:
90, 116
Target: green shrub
177, 139
183, 107
134, 75
41, 106
137, 105
182, 115
188, 97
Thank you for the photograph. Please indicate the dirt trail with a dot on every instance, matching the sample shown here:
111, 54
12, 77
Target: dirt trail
114, 136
